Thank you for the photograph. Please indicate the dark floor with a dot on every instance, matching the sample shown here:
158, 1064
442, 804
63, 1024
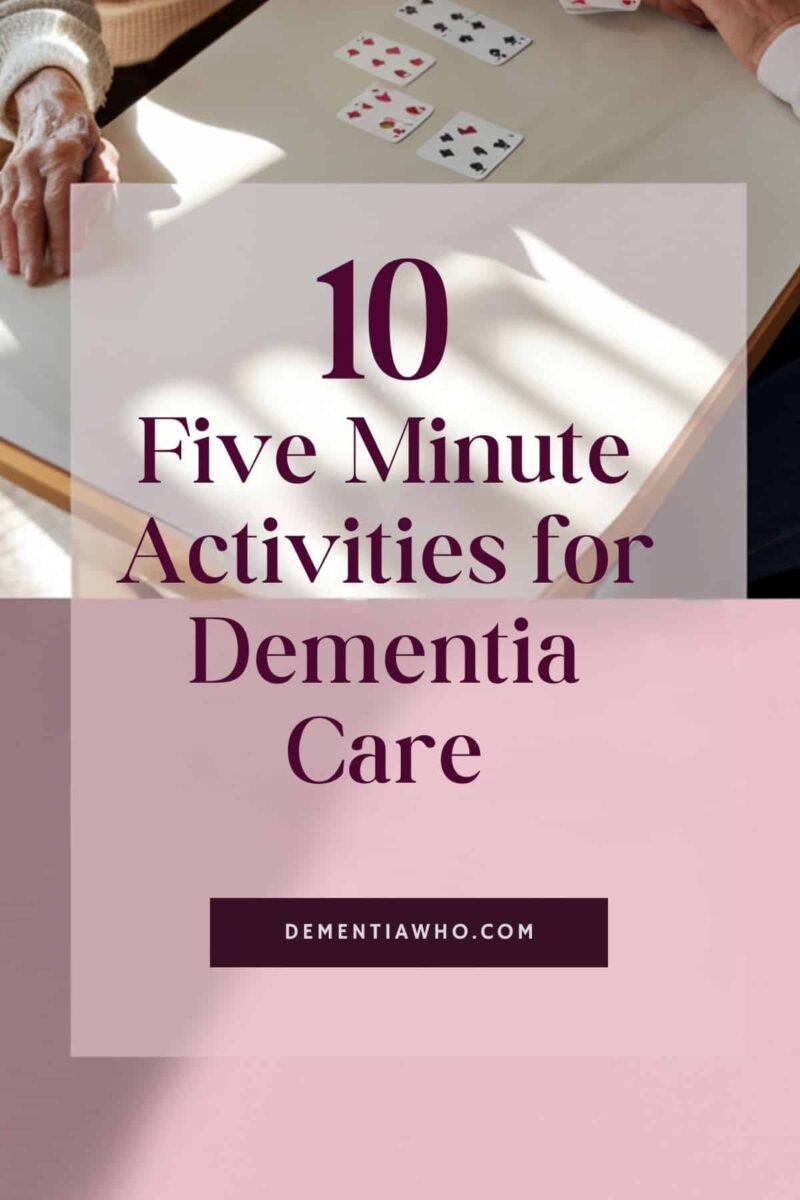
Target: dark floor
786, 349
774, 464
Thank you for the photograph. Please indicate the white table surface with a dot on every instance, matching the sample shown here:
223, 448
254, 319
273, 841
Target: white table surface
601, 98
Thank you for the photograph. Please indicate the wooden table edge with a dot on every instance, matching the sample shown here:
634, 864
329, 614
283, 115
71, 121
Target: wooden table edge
773, 322
36, 475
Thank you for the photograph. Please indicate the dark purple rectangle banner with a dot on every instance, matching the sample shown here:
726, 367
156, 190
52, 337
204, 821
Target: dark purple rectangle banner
409, 932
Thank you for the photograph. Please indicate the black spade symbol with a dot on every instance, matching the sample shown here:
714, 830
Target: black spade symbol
457, 16
447, 137
440, 27
500, 144
466, 37
479, 150
497, 54
479, 168
447, 153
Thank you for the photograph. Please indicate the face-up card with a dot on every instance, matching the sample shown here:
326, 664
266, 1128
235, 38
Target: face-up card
471, 146
392, 61
388, 115
442, 18
489, 40
587, 7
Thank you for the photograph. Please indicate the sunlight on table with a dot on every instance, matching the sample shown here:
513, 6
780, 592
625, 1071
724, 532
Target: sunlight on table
186, 147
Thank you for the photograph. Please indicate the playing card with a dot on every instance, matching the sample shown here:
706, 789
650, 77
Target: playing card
471, 146
587, 7
489, 40
389, 60
388, 115
442, 18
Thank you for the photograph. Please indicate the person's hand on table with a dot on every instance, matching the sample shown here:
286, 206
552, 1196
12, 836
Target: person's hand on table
748, 27
58, 143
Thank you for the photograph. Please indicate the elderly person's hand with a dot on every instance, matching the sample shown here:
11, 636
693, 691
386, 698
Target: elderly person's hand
748, 27
58, 143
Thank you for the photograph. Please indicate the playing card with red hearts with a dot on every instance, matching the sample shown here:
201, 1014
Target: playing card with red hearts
386, 114
389, 60
587, 7
470, 146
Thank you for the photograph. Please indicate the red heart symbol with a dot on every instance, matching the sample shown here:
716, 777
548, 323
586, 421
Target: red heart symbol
352, 115
414, 109
417, 62
468, 129
369, 41
353, 53
367, 105
393, 50
401, 74
384, 97
378, 62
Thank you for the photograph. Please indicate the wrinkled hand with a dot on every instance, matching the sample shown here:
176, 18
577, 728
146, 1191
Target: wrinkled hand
58, 143
748, 27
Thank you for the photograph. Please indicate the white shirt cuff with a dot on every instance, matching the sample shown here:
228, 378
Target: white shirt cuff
779, 69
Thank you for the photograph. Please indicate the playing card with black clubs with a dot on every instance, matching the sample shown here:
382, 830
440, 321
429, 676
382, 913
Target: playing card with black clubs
481, 36
440, 18
489, 40
470, 146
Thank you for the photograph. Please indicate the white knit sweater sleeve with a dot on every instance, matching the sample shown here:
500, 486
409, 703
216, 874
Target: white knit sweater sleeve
50, 33
779, 69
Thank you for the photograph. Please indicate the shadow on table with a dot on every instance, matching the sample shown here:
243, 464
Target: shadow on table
59, 1116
